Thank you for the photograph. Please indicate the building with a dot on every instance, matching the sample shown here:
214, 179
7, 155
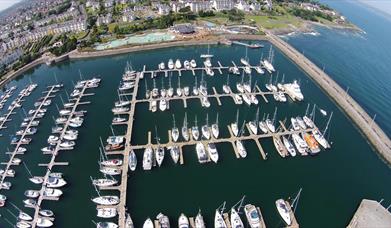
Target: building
127, 17
176, 6
104, 20
197, 6
183, 29
108, 3
10, 58
242, 5
220, 5
163, 9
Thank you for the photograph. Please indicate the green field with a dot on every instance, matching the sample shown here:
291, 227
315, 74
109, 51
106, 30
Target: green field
273, 22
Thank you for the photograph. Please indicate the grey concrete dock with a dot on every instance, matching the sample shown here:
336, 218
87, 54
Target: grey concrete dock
370, 213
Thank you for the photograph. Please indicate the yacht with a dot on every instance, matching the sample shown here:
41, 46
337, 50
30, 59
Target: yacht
148, 223
23, 224
132, 160
201, 153
128, 221
53, 182
219, 221
52, 192
194, 130
107, 212
178, 64
320, 138
118, 120
234, 70
253, 126
163, 221
106, 225
186, 64
308, 121
207, 63
193, 63
36, 180
235, 129
213, 154
239, 87
247, 99
283, 210
247, 69
46, 213
44, 222
111, 162
148, 158
262, 126
30, 202
295, 124
119, 110
205, 102
215, 128
238, 99
110, 171
259, 70
244, 61
205, 129
226, 89
153, 105
183, 221
119, 104
270, 125
279, 146
300, 144
163, 105
252, 216
199, 220
106, 200
159, 155
281, 96
236, 221
294, 91
170, 64
195, 88
24, 216
161, 66
288, 145
241, 149
312, 143
31, 193
174, 152
179, 90
185, 130
209, 71
301, 123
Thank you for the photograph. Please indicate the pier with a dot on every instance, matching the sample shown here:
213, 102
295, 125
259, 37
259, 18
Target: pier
52, 163
18, 100
49, 92
356, 113
370, 213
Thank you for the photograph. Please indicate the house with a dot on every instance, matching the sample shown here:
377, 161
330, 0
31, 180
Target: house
268, 4
163, 9
176, 6
220, 5
108, 3
9, 58
242, 5
128, 17
197, 6
255, 6
104, 20
183, 29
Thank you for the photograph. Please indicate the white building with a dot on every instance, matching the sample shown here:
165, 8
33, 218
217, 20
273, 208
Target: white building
163, 9
104, 20
128, 17
176, 6
242, 5
197, 6
220, 5
9, 58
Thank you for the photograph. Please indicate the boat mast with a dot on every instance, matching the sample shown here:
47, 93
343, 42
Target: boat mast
307, 109
327, 125
257, 117
237, 116
195, 121
179, 82
97, 191
195, 82
274, 115
283, 78
185, 120
228, 80
169, 80
28, 171
255, 84
217, 119
162, 83
173, 120
313, 113
295, 201
240, 202
154, 83
277, 77
207, 119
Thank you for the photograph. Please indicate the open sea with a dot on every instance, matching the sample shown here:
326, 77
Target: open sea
333, 183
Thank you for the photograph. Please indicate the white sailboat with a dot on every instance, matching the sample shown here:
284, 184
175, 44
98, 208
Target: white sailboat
174, 152
283, 210
254, 123
183, 221
159, 151
205, 129
226, 87
234, 125
219, 221
179, 91
185, 130
199, 220
194, 130
320, 137
132, 160
174, 130
236, 221
148, 223
215, 127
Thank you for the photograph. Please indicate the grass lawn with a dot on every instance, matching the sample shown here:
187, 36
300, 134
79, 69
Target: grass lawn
271, 22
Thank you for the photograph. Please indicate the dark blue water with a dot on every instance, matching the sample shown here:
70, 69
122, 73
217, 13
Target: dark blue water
360, 61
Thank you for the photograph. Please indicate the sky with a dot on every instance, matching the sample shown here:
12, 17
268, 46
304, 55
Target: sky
4, 4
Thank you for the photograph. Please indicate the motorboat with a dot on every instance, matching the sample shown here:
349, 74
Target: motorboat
57, 129
30, 202
170, 64
295, 124
205, 102
36, 180
110, 171
5, 185
161, 66
247, 99
186, 91
174, 152
163, 220
205, 131
312, 143
118, 120
53, 182
194, 131
148, 158
153, 105
106, 200
112, 162
235, 129
241, 149
238, 99
236, 221
201, 153
239, 87
283, 210
52, 139
193, 63
46, 213
119, 104
215, 130
270, 125
252, 215
209, 71
234, 70
308, 121
31, 193
294, 91
259, 70
104, 182
183, 221
219, 221
247, 69
106, 225
263, 127
132, 160
159, 155
114, 140
163, 105
207, 63
178, 64
23, 224
186, 64
300, 144
67, 144
213, 154
52, 192
148, 223
24, 216
107, 212
8, 172
118, 110
301, 123
288, 145
253, 127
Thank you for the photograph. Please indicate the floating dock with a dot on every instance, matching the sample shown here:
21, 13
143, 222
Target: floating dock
370, 213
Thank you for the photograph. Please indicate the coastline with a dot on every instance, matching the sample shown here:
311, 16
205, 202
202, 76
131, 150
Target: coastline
371, 131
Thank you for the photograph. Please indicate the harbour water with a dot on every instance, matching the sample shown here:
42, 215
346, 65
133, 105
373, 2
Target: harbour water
334, 182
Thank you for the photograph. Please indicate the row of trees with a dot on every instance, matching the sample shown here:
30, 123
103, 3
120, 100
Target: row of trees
68, 44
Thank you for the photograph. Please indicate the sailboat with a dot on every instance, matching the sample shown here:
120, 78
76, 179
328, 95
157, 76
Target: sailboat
288, 145
194, 130
163, 91
159, 151
174, 130
208, 55
319, 136
155, 91
268, 63
254, 99
179, 91
309, 119
174, 152
236, 221
205, 129
148, 223
183, 221
244, 60
239, 85
254, 124
185, 130
283, 210
148, 158
270, 123
199, 220
195, 88
269, 85
239, 144
234, 125
219, 221
215, 127
226, 87
170, 91
203, 90
132, 161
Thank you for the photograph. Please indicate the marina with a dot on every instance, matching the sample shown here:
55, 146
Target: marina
135, 123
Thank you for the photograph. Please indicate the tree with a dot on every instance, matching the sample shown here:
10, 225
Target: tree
184, 10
